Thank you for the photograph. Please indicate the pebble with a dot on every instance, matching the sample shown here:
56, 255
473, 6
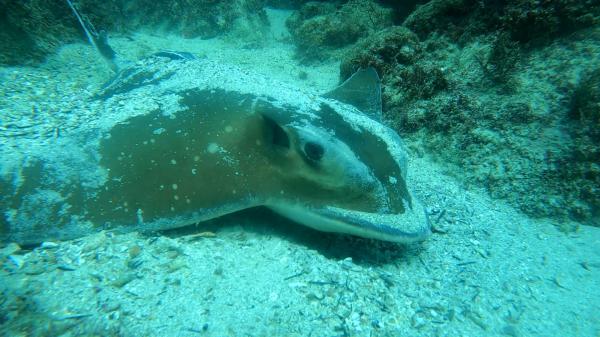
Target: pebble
123, 280
134, 251
49, 245
10, 249
17, 260
175, 265
510, 330
347, 263
418, 320
376, 324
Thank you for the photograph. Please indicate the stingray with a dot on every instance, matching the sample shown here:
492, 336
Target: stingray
174, 140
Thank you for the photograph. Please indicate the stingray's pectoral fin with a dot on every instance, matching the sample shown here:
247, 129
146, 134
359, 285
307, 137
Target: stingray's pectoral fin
410, 226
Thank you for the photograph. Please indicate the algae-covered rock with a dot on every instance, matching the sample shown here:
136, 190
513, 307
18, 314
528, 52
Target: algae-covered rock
524, 20
107, 15
460, 20
29, 30
402, 8
382, 51
395, 54
196, 18
585, 116
319, 30
585, 107
495, 112
438, 15
529, 20
500, 60
287, 4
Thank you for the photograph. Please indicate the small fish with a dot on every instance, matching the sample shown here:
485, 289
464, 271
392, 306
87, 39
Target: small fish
175, 140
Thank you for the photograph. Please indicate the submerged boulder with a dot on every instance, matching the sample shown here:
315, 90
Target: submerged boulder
321, 30
512, 110
29, 30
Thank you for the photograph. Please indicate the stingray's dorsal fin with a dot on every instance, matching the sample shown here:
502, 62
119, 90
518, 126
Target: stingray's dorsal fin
362, 90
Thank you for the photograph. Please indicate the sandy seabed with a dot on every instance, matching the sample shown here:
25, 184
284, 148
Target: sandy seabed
488, 270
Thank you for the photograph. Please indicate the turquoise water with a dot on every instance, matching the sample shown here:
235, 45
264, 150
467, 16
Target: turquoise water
282, 168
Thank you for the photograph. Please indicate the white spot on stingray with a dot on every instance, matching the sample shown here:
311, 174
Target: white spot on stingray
393, 180
212, 148
174, 186
172, 209
159, 131
140, 217
194, 171
196, 158
228, 128
173, 162
176, 197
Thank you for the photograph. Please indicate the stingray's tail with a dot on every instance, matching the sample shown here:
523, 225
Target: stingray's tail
98, 39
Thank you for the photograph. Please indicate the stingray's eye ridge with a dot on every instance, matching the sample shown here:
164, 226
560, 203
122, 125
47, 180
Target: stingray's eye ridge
314, 151
275, 134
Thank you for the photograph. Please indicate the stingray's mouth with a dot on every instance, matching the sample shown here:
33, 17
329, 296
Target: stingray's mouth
407, 227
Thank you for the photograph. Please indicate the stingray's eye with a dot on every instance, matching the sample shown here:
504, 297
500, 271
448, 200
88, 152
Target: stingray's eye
314, 151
